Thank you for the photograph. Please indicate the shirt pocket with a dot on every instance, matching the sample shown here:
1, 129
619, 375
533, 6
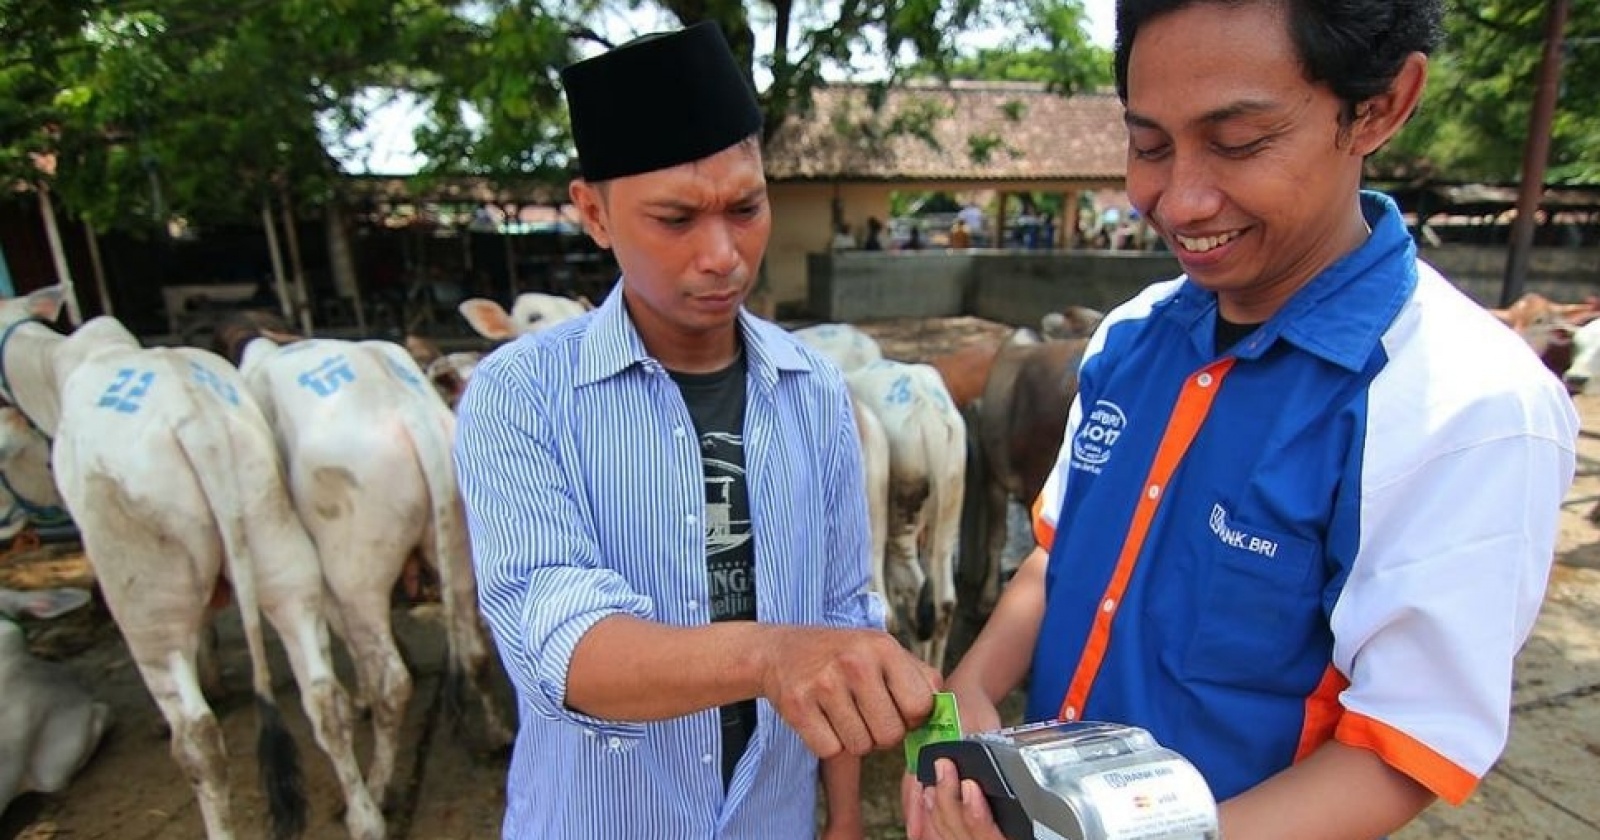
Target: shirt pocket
1258, 612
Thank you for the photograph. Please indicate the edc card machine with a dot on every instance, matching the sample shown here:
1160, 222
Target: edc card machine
1081, 781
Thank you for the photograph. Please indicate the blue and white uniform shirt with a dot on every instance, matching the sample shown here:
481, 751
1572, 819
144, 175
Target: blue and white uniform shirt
1340, 528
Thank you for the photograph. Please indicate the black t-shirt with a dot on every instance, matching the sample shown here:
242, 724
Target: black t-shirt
1229, 333
716, 402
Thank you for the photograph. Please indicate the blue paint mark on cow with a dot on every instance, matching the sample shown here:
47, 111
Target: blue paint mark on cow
407, 376
327, 378
209, 379
126, 393
899, 392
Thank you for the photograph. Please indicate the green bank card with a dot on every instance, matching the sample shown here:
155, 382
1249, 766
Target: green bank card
943, 725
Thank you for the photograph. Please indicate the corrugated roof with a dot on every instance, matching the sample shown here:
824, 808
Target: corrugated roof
980, 131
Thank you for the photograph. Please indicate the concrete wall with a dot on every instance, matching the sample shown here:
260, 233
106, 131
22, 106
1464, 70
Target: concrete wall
862, 285
802, 224
1563, 274
1016, 287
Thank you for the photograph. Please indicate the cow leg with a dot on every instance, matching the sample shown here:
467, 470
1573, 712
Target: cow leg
327, 707
903, 583
196, 740
362, 555
292, 596
383, 678
470, 662
161, 626
207, 663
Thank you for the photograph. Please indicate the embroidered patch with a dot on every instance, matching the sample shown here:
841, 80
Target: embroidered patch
1091, 447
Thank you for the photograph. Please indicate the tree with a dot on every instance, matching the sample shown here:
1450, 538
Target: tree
1473, 120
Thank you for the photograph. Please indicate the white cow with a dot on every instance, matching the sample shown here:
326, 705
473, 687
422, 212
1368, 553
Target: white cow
927, 442
366, 443
27, 489
170, 472
531, 312
848, 347
49, 725
1583, 375
1071, 322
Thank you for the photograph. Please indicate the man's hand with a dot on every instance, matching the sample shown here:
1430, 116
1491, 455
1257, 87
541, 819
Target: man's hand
952, 809
846, 691
917, 803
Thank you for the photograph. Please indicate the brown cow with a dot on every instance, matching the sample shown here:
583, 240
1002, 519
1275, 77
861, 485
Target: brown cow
966, 371
1015, 435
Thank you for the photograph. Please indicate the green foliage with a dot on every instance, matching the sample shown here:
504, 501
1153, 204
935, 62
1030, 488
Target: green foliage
1473, 120
1051, 46
137, 111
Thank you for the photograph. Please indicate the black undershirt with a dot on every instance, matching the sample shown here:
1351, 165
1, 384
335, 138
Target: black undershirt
1229, 333
716, 402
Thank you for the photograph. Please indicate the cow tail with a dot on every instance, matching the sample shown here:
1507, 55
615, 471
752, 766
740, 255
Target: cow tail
430, 432
276, 754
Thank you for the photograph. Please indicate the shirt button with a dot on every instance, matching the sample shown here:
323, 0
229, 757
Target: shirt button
615, 743
1154, 491
677, 432
589, 732
1070, 713
1204, 380
694, 605
706, 759
688, 520
1109, 605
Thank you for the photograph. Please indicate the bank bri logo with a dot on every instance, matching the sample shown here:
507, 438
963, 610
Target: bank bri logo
1237, 538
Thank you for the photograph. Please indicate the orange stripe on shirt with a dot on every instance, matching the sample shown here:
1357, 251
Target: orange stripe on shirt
1323, 713
1448, 780
1194, 403
1043, 532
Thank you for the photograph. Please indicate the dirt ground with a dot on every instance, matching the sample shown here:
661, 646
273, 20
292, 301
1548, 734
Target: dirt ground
1546, 786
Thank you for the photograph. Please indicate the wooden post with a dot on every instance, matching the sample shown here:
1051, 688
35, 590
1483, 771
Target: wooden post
276, 253
59, 255
343, 261
1000, 223
1071, 217
1535, 154
99, 269
302, 296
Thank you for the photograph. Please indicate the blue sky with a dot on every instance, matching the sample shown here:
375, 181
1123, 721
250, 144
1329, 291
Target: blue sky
385, 146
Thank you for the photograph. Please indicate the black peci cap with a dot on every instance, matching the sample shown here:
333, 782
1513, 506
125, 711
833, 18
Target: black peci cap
658, 101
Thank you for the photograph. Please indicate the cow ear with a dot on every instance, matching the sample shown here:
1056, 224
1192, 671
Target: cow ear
45, 304
488, 318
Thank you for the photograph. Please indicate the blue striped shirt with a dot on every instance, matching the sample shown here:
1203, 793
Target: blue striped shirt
584, 490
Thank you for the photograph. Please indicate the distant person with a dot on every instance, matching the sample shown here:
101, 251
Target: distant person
843, 239
973, 217
874, 241
1047, 232
914, 242
960, 237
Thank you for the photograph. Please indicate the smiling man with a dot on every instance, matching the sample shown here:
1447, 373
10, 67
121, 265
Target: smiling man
1305, 507
666, 503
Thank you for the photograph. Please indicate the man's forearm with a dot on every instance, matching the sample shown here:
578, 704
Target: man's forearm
1000, 656
841, 784
626, 668
1337, 793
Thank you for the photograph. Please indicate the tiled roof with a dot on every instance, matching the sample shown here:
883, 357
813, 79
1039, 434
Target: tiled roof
981, 131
